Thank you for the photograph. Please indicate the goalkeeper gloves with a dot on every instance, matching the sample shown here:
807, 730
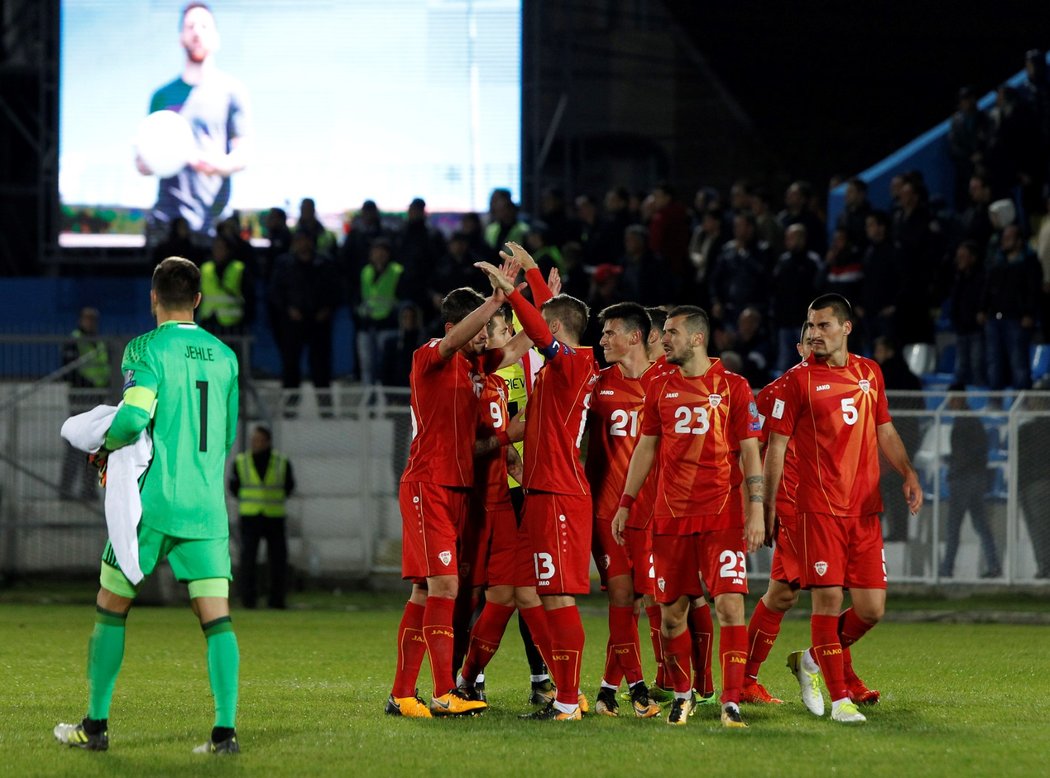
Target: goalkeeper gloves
99, 460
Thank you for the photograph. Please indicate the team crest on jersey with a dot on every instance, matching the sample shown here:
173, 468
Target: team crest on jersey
478, 381
445, 557
864, 384
605, 562
714, 399
661, 583
820, 567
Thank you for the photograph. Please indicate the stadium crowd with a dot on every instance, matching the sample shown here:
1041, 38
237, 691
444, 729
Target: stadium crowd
975, 262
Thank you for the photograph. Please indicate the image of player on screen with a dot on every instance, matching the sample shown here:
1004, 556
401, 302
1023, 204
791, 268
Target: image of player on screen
215, 105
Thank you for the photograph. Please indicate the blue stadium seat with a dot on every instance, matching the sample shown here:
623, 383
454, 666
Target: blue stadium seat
1040, 361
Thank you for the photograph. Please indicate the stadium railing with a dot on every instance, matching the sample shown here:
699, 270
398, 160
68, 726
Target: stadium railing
349, 444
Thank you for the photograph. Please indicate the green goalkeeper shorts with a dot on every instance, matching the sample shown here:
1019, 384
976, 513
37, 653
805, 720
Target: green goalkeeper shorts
190, 559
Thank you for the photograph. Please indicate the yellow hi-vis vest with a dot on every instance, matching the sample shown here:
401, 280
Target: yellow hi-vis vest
379, 293
222, 298
262, 496
95, 370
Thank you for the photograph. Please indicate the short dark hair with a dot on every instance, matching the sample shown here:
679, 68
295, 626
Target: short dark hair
858, 183
458, 304
177, 282
506, 313
881, 218
839, 305
189, 7
264, 430
572, 313
696, 319
657, 317
971, 247
632, 315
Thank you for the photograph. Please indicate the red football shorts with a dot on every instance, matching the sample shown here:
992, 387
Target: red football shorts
785, 556
504, 540
841, 551
681, 561
559, 530
633, 558
431, 517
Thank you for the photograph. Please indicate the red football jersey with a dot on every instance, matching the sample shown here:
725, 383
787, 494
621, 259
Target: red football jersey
789, 481
615, 424
832, 414
700, 421
490, 479
444, 399
554, 422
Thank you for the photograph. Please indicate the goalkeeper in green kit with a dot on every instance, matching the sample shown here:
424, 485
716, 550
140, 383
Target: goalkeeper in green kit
180, 385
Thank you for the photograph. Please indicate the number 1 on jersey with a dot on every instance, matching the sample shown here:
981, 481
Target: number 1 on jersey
202, 387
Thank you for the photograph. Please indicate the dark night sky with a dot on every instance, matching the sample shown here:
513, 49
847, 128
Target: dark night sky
834, 86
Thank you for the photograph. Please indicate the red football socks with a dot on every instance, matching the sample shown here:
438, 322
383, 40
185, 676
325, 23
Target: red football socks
703, 630
677, 657
653, 614
536, 620
410, 650
438, 634
485, 638
566, 631
732, 653
623, 645
828, 652
851, 629
762, 632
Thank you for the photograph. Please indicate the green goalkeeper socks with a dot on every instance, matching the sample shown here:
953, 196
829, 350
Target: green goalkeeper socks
224, 660
105, 654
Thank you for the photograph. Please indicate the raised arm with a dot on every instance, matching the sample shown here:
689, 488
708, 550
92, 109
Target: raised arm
464, 331
893, 449
532, 323
541, 293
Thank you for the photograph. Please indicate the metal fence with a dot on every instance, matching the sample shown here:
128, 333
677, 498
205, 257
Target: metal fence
348, 446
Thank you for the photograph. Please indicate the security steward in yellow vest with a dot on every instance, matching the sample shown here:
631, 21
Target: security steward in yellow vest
227, 292
262, 480
89, 385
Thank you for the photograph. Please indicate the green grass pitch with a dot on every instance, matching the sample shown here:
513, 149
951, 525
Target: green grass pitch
958, 699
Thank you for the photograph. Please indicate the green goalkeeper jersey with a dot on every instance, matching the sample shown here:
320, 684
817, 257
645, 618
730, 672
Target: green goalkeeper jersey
181, 383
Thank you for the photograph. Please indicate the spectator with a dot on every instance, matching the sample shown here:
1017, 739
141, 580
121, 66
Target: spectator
797, 211
227, 294
704, 248
669, 230
89, 384
539, 244
914, 237
324, 240
275, 225
1013, 155
739, 197
179, 243
767, 228
965, 303
883, 275
1042, 252
794, 286
897, 377
574, 280
1033, 478
843, 269
417, 248
738, 278
376, 310
976, 222
605, 291
504, 225
553, 213
262, 481
643, 275
305, 291
752, 344
470, 226
967, 138
588, 225
854, 217
453, 270
364, 228
1009, 308
1035, 92
967, 483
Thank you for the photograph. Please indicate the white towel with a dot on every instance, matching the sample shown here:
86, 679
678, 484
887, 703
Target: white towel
87, 432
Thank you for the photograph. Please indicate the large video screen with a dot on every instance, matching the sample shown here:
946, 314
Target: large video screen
171, 109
